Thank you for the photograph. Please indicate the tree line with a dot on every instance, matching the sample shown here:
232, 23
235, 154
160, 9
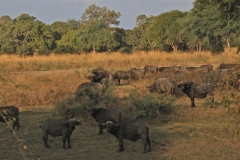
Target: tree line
208, 26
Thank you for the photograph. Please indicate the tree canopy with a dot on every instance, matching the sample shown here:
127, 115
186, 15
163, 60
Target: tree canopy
209, 25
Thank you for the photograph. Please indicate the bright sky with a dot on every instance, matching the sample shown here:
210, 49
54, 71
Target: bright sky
49, 11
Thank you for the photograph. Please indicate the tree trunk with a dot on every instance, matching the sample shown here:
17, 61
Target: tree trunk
174, 47
94, 50
228, 42
199, 46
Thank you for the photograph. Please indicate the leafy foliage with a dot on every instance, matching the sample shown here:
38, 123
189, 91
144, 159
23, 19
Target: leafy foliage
95, 13
126, 50
209, 25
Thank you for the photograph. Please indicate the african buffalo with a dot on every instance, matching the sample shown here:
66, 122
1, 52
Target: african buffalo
104, 115
196, 90
138, 71
202, 68
165, 69
131, 131
97, 76
150, 69
59, 127
207, 67
126, 75
163, 85
89, 85
228, 66
10, 114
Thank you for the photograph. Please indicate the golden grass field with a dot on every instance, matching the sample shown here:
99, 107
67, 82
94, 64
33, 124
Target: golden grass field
41, 81
36, 84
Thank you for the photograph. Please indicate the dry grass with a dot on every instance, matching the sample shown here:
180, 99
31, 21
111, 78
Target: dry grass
41, 81
10, 63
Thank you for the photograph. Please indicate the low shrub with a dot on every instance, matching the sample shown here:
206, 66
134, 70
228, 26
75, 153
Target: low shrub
125, 50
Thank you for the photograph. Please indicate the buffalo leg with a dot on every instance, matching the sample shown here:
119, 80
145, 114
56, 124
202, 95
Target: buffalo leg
149, 144
68, 140
192, 102
145, 147
120, 145
118, 81
45, 138
100, 129
145, 143
17, 123
64, 141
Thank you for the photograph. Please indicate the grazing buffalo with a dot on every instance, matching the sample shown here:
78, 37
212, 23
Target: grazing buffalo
196, 90
202, 68
163, 85
131, 131
59, 127
10, 114
138, 71
207, 67
228, 66
150, 69
165, 69
126, 75
235, 81
89, 85
97, 76
104, 115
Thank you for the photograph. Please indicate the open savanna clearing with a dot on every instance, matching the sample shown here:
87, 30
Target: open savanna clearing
37, 84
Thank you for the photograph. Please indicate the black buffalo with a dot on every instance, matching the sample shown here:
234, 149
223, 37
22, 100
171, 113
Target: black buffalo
207, 67
131, 131
89, 85
202, 68
10, 114
163, 85
138, 71
150, 69
196, 90
228, 66
165, 69
97, 76
125, 75
103, 115
59, 127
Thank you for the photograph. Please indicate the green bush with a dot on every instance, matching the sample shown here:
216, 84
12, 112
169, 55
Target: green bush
151, 105
125, 50
85, 98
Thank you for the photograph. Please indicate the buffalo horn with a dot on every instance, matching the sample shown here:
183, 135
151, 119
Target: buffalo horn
116, 124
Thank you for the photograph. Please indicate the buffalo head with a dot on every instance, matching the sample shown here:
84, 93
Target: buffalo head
150, 88
110, 125
93, 110
185, 86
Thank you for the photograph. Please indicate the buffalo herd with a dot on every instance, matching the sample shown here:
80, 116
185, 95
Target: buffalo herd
111, 119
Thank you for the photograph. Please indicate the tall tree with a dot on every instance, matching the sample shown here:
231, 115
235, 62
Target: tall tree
4, 20
164, 29
26, 36
91, 36
230, 9
204, 25
94, 12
